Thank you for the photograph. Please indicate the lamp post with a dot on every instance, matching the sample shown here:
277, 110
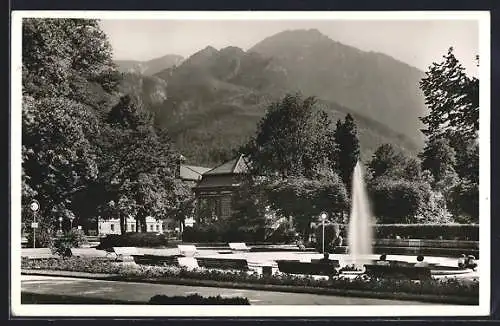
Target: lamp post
323, 219
34, 206
60, 224
71, 218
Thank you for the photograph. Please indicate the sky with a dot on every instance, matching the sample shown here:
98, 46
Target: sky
417, 42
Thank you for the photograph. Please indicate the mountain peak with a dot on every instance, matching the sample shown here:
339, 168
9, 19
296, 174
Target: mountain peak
208, 50
297, 37
232, 50
203, 56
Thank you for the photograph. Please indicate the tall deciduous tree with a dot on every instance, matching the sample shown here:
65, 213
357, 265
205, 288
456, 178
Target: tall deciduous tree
68, 80
137, 164
290, 139
59, 158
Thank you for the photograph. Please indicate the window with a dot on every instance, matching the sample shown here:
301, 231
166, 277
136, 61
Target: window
157, 227
151, 227
112, 227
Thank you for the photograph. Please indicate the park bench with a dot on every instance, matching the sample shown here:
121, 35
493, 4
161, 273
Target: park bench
37, 252
155, 260
316, 268
187, 250
121, 252
333, 262
398, 271
223, 263
238, 246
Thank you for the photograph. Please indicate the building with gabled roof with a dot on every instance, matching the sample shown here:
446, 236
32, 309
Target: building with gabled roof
214, 191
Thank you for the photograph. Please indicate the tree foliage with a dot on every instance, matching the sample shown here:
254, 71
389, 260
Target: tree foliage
399, 201
68, 77
439, 158
401, 192
291, 140
451, 153
68, 58
296, 154
347, 148
84, 153
304, 199
249, 205
452, 97
388, 161
137, 165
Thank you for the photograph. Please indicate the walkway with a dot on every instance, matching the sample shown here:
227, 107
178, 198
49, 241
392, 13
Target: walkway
98, 289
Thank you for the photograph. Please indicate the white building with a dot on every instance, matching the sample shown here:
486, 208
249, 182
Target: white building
112, 226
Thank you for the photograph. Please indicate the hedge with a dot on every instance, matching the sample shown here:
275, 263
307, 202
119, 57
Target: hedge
134, 239
215, 234
428, 231
196, 299
416, 231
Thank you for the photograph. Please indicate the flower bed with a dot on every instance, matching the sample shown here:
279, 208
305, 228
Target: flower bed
446, 287
196, 299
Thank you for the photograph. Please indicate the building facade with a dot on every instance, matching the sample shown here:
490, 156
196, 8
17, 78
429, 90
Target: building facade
112, 226
214, 191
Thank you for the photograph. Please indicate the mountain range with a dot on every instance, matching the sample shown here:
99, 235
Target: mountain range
149, 67
211, 101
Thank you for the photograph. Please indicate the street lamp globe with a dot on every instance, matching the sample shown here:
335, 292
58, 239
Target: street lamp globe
323, 216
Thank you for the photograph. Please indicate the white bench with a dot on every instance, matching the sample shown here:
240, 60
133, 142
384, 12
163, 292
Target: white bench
187, 250
188, 262
122, 251
238, 246
36, 252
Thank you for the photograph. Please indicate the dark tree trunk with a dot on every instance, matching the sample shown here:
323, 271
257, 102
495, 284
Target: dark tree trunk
137, 226
122, 224
143, 224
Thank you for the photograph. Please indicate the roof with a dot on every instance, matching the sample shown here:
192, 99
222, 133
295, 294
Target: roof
235, 166
191, 172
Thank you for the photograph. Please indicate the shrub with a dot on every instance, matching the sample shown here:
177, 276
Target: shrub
283, 234
196, 299
212, 233
44, 237
134, 239
72, 239
204, 233
332, 231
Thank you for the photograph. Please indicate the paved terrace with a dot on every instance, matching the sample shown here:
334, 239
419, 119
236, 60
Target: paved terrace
255, 259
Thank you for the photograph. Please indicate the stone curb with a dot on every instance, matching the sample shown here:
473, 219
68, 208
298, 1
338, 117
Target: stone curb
443, 299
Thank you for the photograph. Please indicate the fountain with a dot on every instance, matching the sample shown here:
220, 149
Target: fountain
360, 233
